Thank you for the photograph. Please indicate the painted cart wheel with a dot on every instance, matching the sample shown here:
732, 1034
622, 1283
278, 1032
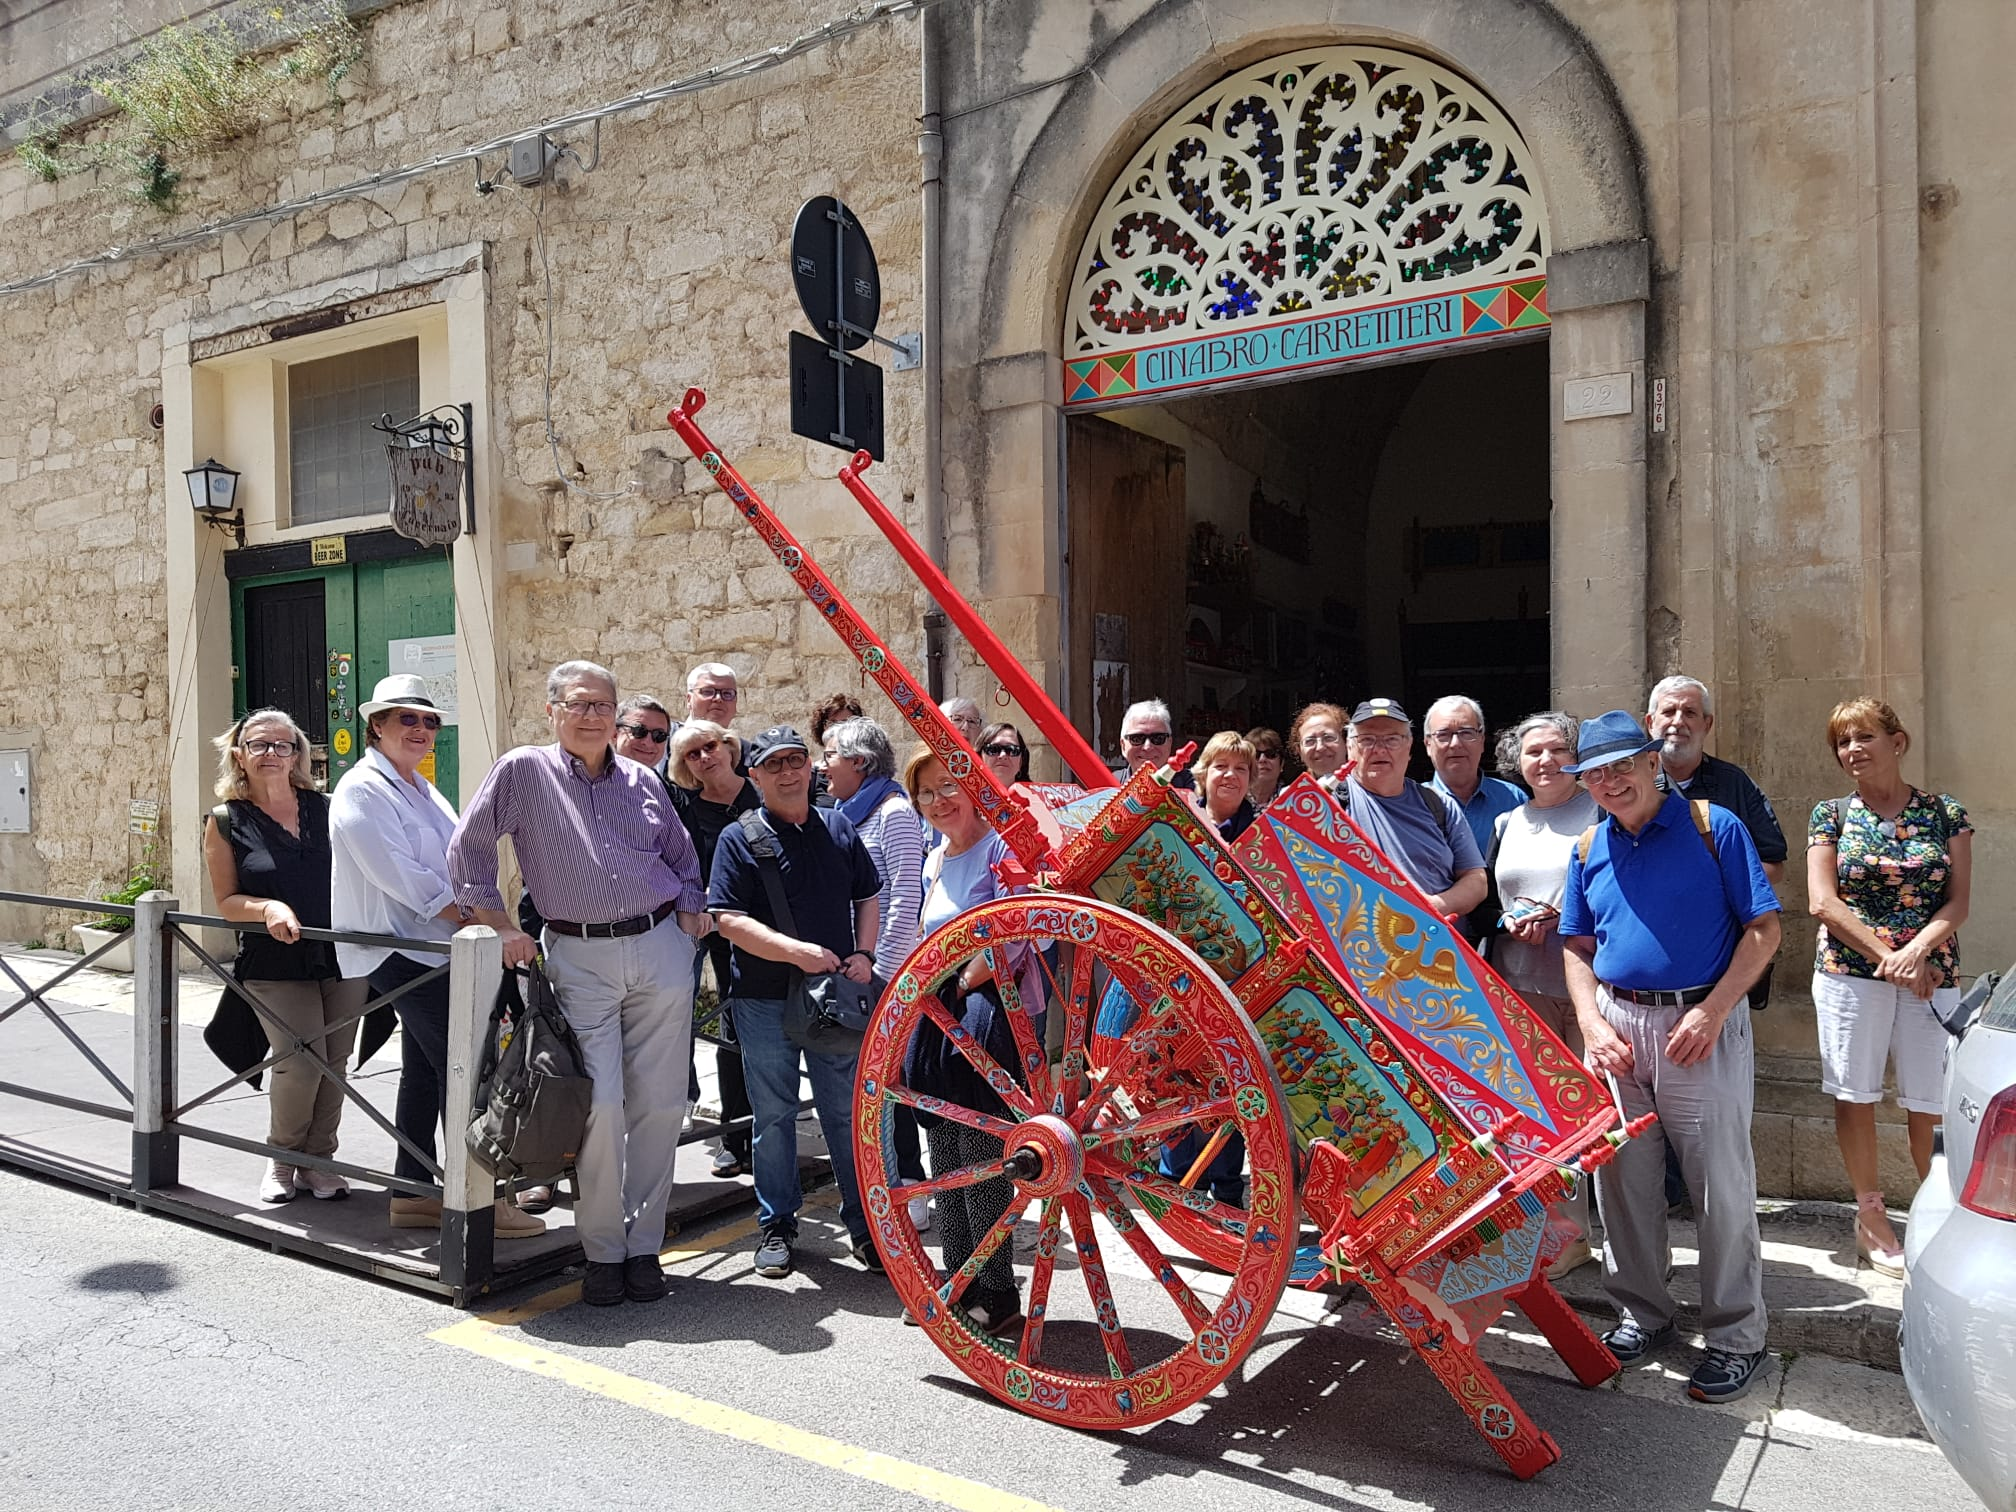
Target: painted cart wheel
1079, 1137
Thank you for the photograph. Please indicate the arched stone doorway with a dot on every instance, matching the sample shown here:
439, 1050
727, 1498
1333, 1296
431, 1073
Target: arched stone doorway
1038, 188
1282, 482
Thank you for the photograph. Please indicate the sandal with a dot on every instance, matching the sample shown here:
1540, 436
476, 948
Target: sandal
1884, 1259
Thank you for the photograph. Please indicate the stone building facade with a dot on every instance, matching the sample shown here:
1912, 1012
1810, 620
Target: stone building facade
1771, 227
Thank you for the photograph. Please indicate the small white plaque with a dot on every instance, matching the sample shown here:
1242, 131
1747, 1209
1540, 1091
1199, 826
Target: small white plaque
1600, 394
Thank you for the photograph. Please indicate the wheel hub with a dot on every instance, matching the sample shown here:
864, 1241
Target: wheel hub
1048, 1159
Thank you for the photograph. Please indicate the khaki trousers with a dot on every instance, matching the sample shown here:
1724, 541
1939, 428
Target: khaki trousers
304, 1105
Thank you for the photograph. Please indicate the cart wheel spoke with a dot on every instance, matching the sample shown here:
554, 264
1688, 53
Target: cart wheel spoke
990, 1070
937, 1107
1035, 1066
1040, 1273
1159, 1124
1092, 1266
955, 1285
1168, 1191
1077, 1005
1195, 1313
951, 1181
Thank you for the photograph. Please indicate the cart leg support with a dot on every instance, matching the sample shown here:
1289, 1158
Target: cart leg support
1563, 1327
1480, 1394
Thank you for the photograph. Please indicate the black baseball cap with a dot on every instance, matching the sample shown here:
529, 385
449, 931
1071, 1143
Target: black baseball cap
778, 738
1379, 708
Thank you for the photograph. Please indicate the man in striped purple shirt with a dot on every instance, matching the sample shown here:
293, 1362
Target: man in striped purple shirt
610, 868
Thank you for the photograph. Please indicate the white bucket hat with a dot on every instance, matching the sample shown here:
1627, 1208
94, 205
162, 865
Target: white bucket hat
402, 690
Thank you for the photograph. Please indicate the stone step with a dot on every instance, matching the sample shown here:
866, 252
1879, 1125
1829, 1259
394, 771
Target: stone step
1820, 1296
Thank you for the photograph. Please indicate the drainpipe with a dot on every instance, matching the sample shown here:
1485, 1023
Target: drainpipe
931, 156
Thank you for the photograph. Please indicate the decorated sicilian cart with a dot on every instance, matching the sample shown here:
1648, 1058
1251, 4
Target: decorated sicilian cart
1408, 1123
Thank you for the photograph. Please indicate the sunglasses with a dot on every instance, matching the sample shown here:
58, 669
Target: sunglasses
409, 719
645, 732
998, 749
1146, 737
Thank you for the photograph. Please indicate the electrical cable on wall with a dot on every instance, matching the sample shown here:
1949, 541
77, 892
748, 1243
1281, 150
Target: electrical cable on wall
546, 271
854, 21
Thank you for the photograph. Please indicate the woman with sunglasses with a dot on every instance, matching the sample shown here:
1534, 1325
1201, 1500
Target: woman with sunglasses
1006, 754
267, 849
710, 792
389, 830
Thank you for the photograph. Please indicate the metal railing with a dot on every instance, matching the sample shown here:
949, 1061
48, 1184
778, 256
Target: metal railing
160, 1118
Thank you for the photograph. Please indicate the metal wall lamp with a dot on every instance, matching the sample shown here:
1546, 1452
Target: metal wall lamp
213, 493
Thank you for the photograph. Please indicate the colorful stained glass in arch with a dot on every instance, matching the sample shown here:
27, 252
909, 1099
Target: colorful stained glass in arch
1313, 181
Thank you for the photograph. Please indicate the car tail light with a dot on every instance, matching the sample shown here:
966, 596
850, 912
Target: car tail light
1991, 1184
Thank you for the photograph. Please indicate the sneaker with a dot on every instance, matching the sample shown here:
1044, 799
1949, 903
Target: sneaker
278, 1183
603, 1285
534, 1199
326, 1185
508, 1222
1570, 1259
416, 1212
773, 1255
1000, 1320
1630, 1343
1723, 1377
726, 1165
866, 1253
643, 1278
920, 1214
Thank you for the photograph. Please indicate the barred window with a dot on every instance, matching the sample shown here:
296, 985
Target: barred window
336, 461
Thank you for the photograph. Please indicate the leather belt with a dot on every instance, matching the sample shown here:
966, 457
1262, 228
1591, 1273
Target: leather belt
642, 924
1685, 997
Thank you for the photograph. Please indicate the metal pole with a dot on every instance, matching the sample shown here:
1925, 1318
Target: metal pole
468, 1237
156, 1152
931, 154
839, 335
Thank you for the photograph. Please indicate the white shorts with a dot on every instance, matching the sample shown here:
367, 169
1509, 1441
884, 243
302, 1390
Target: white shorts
1864, 1022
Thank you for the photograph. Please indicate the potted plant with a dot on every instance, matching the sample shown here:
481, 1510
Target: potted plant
100, 931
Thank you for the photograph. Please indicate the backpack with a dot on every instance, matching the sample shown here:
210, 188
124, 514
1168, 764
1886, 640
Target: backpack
1698, 807
533, 1089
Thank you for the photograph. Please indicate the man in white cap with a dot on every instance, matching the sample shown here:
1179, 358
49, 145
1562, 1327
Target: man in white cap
1421, 832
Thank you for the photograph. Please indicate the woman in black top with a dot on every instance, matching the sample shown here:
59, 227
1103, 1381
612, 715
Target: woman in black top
267, 847
709, 793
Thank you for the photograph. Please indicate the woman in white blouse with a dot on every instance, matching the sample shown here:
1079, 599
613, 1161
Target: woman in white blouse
1530, 850
389, 830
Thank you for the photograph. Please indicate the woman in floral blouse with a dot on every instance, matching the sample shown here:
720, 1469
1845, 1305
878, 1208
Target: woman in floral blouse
1887, 875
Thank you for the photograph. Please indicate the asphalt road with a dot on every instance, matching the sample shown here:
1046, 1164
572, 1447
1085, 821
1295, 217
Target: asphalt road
146, 1364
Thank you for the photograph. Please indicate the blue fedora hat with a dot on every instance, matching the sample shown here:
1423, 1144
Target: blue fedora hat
1609, 737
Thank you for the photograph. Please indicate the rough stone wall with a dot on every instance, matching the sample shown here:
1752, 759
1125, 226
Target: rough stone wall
669, 268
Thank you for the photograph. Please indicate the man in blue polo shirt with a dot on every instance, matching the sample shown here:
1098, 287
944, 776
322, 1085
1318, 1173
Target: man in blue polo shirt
1667, 920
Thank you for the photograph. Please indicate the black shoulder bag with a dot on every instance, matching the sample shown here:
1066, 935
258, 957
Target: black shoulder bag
825, 1012
534, 1090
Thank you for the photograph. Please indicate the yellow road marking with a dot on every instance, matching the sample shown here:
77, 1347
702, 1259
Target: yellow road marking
485, 1336
731, 1422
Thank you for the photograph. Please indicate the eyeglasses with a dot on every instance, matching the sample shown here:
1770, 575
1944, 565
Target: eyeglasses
1146, 737
707, 749
999, 749
645, 732
1616, 771
409, 719
784, 761
584, 708
944, 794
1463, 735
269, 748
718, 695
1381, 742
1321, 738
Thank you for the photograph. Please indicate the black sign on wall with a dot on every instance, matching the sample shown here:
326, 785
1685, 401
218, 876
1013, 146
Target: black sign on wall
836, 397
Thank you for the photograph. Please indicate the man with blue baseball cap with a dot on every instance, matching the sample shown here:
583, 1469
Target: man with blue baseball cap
1667, 921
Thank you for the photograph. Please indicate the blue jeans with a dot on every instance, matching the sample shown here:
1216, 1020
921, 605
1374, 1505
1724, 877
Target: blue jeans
770, 1063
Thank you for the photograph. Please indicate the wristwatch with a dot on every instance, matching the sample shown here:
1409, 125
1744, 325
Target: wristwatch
868, 953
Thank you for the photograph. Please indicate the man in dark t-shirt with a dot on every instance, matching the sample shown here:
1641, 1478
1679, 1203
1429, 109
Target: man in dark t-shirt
832, 894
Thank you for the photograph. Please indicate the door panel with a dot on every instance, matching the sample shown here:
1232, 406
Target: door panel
412, 600
1124, 575
283, 665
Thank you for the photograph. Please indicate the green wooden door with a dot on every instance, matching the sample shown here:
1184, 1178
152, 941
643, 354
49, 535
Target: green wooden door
406, 623
293, 645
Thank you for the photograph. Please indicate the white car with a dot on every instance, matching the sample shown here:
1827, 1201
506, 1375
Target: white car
1959, 1328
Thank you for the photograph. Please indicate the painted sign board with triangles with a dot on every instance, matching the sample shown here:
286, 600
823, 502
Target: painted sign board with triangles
1309, 340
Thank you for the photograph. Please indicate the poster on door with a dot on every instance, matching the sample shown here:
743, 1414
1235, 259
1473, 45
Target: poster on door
431, 657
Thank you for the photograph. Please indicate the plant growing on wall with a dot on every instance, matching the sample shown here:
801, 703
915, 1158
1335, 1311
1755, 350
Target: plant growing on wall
143, 878
187, 90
